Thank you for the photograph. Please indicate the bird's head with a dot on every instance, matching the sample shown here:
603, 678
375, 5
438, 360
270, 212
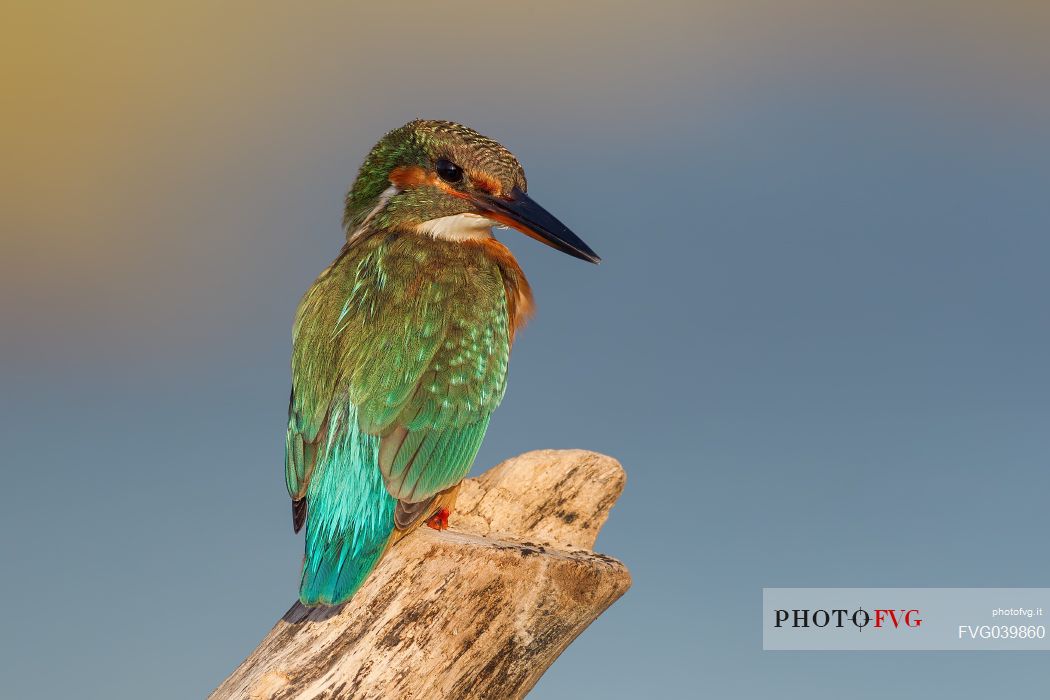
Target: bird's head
442, 179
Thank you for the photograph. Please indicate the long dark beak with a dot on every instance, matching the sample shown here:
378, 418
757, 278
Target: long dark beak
520, 212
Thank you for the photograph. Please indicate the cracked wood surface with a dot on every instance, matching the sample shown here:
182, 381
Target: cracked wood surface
478, 611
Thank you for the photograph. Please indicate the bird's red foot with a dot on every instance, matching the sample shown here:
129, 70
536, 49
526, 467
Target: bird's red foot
439, 520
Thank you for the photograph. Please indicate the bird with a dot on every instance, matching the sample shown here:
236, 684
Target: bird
400, 347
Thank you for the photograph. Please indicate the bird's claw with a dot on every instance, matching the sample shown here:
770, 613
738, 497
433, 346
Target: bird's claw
439, 520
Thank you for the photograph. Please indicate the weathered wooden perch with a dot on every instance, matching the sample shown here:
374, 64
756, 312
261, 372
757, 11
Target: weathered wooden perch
477, 611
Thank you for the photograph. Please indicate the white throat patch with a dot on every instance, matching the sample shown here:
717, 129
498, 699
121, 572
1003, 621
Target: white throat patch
460, 227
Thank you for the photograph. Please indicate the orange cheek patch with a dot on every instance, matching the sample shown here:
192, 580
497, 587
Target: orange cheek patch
406, 176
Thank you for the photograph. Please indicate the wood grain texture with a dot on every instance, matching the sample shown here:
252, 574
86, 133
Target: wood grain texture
478, 611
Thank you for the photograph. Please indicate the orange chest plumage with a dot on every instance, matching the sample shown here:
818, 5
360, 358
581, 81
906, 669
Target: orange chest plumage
520, 306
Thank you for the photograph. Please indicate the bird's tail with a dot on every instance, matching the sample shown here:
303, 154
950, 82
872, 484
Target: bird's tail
334, 569
349, 513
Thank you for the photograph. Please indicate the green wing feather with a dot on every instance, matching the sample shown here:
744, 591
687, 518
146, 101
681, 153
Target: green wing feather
440, 425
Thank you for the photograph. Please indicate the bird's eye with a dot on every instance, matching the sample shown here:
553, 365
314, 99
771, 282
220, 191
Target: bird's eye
448, 171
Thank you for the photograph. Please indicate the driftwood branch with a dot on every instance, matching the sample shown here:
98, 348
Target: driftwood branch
478, 611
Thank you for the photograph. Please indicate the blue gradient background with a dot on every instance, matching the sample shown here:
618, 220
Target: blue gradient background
818, 343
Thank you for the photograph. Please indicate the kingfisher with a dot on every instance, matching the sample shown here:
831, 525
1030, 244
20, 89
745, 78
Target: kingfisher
400, 346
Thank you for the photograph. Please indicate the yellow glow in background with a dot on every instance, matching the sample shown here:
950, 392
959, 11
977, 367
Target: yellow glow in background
121, 120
